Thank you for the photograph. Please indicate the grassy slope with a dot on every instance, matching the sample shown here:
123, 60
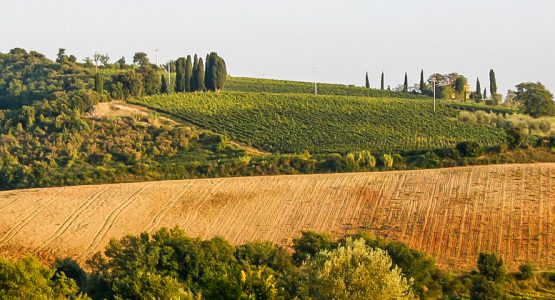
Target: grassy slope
297, 122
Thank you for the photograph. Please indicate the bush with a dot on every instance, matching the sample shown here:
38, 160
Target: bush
469, 149
514, 138
387, 161
526, 271
356, 271
490, 266
309, 244
501, 148
485, 290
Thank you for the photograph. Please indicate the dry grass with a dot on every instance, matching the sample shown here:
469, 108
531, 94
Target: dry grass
451, 214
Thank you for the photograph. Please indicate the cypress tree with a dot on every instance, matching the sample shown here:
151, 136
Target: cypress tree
180, 75
422, 83
98, 83
194, 78
492, 83
367, 81
164, 87
406, 84
478, 89
382, 86
216, 72
485, 93
200, 77
207, 71
188, 73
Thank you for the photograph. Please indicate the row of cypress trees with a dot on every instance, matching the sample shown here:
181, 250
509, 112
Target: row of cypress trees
194, 74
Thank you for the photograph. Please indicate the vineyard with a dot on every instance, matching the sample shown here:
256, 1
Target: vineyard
296, 122
450, 214
259, 85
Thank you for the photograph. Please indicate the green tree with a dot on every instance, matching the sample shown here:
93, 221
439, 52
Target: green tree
422, 82
460, 84
492, 83
216, 72
200, 76
141, 59
490, 266
188, 73
535, 99
356, 271
406, 83
98, 83
367, 81
194, 77
121, 62
180, 75
478, 90
61, 57
483, 289
27, 279
485, 94
309, 244
382, 85
164, 87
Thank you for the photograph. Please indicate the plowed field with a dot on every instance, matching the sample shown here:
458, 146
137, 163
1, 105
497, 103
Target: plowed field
451, 214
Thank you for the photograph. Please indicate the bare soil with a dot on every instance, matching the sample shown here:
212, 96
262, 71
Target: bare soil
450, 214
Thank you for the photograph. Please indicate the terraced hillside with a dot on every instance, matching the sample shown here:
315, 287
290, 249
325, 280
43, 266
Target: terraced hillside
289, 123
452, 214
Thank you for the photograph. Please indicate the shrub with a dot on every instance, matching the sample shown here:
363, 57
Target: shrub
490, 266
469, 149
514, 138
387, 161
526, 271
485, 290
356, 271
309, 244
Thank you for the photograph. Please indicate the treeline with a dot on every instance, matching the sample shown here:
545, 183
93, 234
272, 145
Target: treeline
26, 77
170, 265
193, 75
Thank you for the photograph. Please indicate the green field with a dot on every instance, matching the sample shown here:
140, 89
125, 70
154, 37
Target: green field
290, 123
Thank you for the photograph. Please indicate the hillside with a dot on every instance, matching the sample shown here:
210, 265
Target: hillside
451, 214
261, 85
294, 122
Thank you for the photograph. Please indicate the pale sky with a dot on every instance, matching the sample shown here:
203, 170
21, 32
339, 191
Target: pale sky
287, 39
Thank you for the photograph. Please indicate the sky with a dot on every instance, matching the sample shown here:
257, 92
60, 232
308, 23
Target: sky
289, 39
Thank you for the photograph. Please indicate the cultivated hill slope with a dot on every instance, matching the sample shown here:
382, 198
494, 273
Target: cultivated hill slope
451, 214
292, 123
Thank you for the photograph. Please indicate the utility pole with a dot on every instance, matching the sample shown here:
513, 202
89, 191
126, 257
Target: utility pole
157, 58
315, 84
169, 76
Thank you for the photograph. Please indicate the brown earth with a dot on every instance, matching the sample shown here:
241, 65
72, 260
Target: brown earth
451, 214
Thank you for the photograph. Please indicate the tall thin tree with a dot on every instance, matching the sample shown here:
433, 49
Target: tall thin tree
422, 83
200, 76
478, 90
164, 87
406, 83
194, 78
180, 75
382, 85
188, 73
367, 81
492, 83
